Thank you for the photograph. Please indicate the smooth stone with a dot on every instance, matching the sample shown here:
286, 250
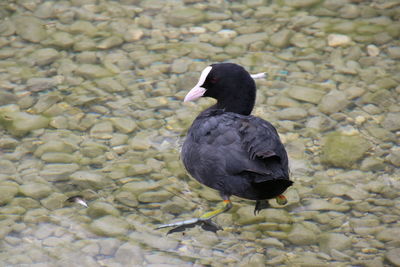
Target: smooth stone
291, 114
45, 56
276, 215
7, 167
109, 84
59, 157
54, 201
7, 193
333, 241
331, 189
156, 102
62, 40
393, 256
124, 125
138, 187
84, 27
338, 40
321, 204
7, 28
88, 179
41, 84
180, 65
110, 42
226, 33
392, 121
343, 151
163, 243
102, 130
129, 254
332, 102
108, 246
109, 226
132, 35
373, 50
30, 28
247, 39
90, 71
53, 241
20, 123
246, 216
140, 141
394, 52
320, 123
58, 172
183, 16
372, 164
301, 3
394, 156
35, 190
301, 235
306, 94
127, 198
54, 146
99, 209
154, 197
389, 234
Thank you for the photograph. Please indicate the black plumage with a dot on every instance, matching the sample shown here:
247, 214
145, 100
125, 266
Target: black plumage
230, 150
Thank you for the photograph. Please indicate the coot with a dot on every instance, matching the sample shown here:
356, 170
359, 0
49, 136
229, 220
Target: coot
230, 150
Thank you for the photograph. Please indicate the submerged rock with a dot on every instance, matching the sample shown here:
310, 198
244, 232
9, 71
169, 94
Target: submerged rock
333, 241
109, 226
343, 151
30, 28
19, 123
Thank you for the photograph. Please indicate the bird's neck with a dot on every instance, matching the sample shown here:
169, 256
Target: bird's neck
238, 104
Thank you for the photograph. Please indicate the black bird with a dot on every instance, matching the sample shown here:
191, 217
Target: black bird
230, 150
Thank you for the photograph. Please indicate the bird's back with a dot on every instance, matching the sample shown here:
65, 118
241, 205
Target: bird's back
236, 155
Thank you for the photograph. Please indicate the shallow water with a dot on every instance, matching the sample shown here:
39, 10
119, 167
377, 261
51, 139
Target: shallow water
91, 104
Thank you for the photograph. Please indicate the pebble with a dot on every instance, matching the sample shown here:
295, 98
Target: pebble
393, 256
342, 150
373, 50
184, 16
306, 94
332, 102
30, 28
45, 56
88, 179
109, 226
329, 242
35, 190
300, 235
338, 40
129, 254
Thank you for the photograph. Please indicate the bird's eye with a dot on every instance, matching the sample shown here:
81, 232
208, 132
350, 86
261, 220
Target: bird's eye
213, 80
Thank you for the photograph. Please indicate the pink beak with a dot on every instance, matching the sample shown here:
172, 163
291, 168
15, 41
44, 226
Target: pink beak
195, 93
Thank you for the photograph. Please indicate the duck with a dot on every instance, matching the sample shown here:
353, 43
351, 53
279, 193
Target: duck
230, 150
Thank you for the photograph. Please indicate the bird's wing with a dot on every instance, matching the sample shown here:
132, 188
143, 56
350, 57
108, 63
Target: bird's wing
235, 144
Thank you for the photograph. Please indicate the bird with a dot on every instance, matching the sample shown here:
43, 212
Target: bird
230, 150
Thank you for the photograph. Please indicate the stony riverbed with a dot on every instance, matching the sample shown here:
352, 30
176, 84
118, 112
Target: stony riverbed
91, 104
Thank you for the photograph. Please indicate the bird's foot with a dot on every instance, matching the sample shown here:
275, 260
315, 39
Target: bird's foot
281, 200
204, 221
260, 205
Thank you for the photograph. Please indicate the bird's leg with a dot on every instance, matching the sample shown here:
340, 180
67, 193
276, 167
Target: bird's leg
204, 220
226, 205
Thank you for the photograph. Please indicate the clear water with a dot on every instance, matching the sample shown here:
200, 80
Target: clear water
109, 122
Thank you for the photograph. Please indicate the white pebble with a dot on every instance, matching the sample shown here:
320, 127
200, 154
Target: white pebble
338, 40
373, 50
227, 33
